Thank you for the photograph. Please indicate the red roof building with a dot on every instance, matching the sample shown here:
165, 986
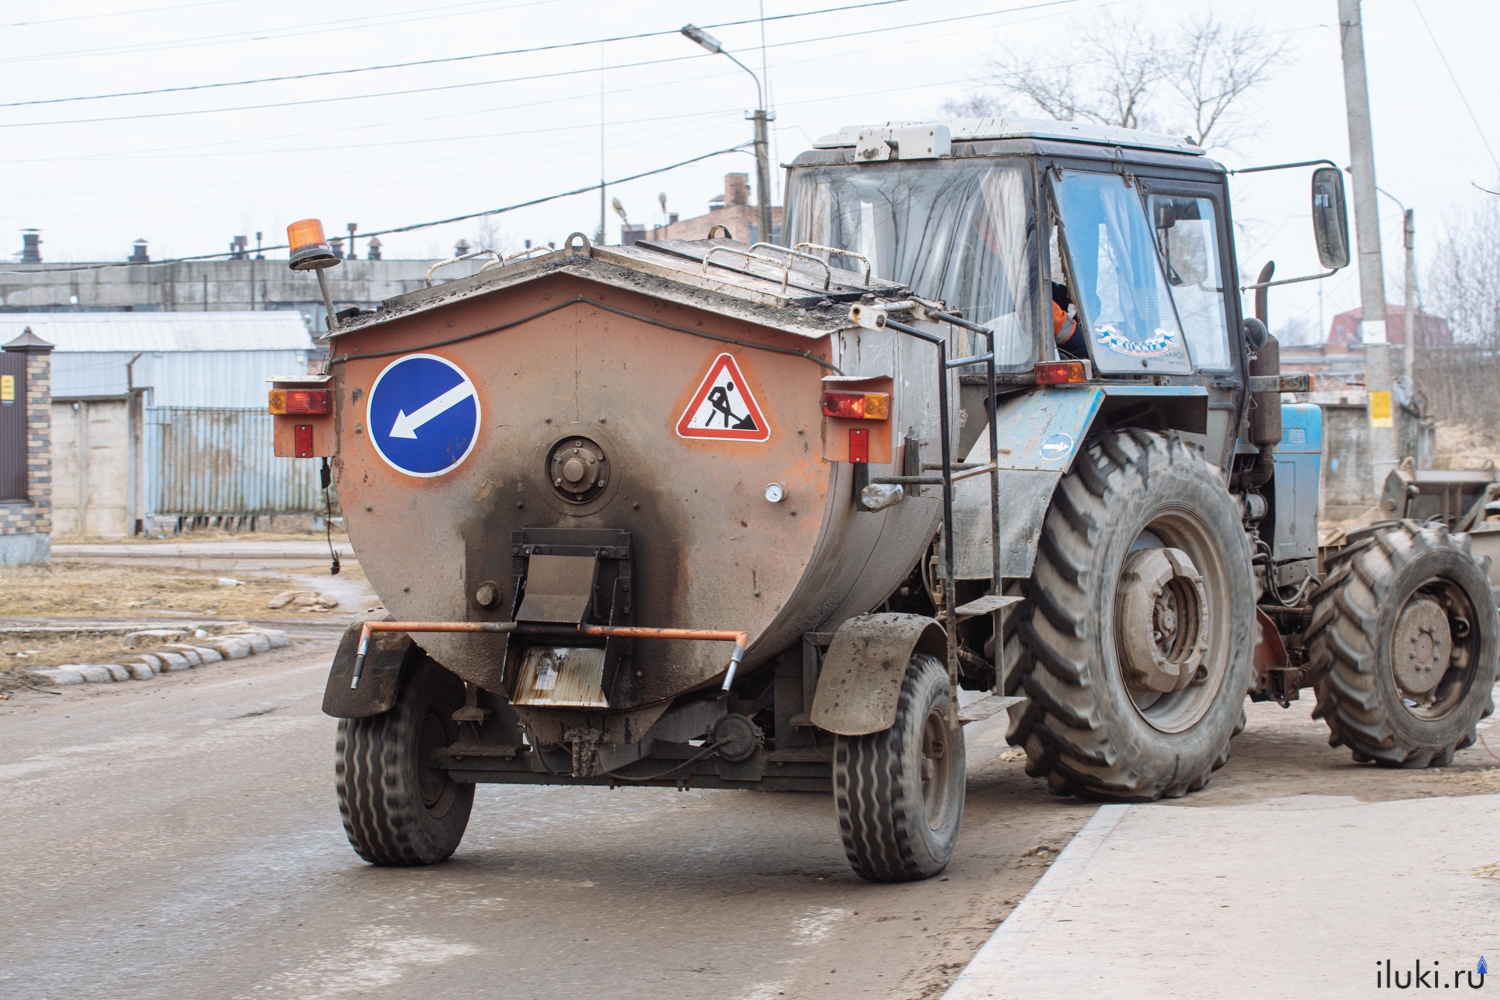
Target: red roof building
1431, 331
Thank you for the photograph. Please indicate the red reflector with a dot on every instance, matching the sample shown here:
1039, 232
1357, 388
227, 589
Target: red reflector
302, 440
859, 446
300, 401
1061, 372
857, 405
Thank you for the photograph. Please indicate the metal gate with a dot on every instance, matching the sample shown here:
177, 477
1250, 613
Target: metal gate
13, 429
220, 462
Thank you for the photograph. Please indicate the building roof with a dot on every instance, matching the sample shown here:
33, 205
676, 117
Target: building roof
981, 129
280, 330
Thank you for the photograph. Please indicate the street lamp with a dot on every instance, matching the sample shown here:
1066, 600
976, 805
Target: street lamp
761, 118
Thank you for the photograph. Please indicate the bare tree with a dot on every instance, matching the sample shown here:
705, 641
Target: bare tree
1458, 379
1120, 72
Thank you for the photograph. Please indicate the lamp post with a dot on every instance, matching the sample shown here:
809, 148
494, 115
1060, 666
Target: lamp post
761, 119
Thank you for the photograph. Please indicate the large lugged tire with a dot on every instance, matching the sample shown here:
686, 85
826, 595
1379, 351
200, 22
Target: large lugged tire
900, 792
397, 808
1135, 646
1403, 644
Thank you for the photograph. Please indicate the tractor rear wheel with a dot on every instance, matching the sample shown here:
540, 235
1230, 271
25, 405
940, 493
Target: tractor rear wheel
1136, 640
398, 808
900, 792
1403, 645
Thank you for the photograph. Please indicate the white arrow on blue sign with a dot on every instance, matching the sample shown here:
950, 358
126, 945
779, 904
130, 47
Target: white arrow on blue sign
423, 416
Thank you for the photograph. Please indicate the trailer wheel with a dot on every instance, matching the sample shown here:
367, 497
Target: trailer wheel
1403, 644
397, 808
1136, 641
900, 792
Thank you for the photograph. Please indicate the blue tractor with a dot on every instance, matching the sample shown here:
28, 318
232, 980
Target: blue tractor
1154, 501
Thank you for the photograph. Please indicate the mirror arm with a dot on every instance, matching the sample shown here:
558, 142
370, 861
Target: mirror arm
1285, 166
1291, 281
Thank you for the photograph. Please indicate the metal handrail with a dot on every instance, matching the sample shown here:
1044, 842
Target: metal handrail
786, 271
454, 260
846, 253
827, 271
518, 255
878, 317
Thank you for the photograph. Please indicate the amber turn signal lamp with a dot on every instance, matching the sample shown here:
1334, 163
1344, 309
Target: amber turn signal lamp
310, 249
1061, 372
300, 402
857, 405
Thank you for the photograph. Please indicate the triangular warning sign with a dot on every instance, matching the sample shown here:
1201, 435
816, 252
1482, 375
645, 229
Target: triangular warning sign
723, 409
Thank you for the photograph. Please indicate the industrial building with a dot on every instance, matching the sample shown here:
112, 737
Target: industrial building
159, 417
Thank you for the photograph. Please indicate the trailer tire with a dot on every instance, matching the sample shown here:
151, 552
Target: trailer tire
900, 792
398, 809
1094, 725
1398, 583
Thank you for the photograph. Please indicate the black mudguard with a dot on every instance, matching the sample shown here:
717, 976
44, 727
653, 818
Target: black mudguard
380, 679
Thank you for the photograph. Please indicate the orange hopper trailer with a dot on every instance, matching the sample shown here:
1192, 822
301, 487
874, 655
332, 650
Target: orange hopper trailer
656, 515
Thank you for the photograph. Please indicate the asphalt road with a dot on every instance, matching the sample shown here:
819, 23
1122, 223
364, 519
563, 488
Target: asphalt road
180, 838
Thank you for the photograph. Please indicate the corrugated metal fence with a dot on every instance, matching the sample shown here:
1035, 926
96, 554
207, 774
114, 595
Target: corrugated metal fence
216, 461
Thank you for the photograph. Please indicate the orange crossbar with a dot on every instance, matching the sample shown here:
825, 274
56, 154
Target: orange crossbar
741, 640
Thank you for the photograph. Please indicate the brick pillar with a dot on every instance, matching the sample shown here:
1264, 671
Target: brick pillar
26, 527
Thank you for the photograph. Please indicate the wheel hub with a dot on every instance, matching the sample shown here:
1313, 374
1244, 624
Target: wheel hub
1162, 628
1421, 646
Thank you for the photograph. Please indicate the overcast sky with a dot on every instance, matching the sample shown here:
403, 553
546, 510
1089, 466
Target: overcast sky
190, 170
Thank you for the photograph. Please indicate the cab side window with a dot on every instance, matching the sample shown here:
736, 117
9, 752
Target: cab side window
1187, 239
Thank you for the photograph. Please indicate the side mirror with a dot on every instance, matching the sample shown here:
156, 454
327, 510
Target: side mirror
1330, 218
1255, 334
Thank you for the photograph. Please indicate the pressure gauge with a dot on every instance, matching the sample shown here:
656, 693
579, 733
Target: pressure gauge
775, 492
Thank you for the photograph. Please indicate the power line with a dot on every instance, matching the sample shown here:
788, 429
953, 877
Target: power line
324, 131
118, 13
434, 61
1457, 86
415, 225
290, 31
543, 76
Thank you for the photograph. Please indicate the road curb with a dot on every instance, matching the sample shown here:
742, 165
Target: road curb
170, 657
984, 977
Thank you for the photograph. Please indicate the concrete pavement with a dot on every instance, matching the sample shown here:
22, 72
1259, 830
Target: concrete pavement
1301, 895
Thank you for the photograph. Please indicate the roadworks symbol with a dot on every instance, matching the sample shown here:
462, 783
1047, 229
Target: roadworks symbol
723, 409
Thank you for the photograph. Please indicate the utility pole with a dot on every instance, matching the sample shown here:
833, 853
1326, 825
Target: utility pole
763, 174
1409, 348
1367, 232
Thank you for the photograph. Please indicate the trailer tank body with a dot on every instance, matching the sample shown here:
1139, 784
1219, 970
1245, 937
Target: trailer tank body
607, 348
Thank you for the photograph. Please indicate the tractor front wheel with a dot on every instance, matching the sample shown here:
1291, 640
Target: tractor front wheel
1136, 640
1403, 646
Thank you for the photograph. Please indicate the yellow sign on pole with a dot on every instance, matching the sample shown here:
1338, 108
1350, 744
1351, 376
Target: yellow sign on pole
1380, 410
7, 389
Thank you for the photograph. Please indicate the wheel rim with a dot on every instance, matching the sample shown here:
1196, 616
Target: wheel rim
1434, 650
432, 782
1171, 642
937, 767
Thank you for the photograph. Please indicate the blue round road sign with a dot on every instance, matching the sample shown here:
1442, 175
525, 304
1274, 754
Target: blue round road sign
423, 417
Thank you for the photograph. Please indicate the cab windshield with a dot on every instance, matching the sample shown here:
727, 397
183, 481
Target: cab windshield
958, 230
